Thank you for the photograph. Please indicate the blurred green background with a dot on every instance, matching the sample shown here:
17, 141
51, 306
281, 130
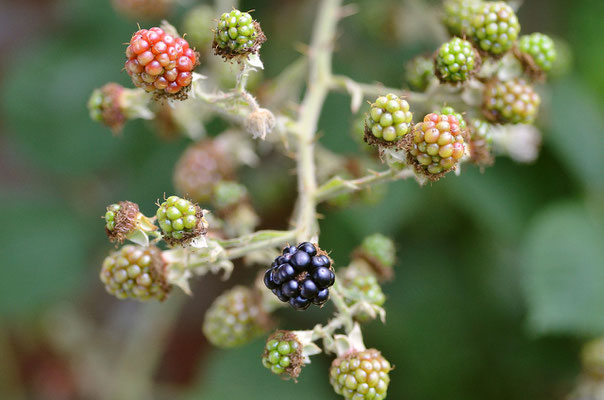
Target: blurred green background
500, 275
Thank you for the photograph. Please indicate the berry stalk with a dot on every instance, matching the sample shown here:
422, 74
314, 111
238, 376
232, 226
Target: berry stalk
320, 53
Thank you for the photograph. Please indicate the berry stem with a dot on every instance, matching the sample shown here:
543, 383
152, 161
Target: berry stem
319, 55
435, 94
338, 186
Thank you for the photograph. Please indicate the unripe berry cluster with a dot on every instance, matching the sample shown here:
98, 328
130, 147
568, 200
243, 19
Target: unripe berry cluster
379, 252
235, 318
494, 27
365, 288
180, 220
361, 375
419, 72
389, 120
135, 272
541, 50
237, 34
104, 106
458, 14
512, 101
480, 142
456, 61
121, 219
200, 168
436, 145
283, 354
301, 276
159, 62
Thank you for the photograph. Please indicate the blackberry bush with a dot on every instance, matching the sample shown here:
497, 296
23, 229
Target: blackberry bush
494, 27
388, 121
301, 276
282, 119
513, 102
456, 61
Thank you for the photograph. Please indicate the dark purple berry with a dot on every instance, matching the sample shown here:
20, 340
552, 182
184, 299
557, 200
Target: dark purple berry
289, 250
308, 289
290, 288
320, 261
299, 303
268, 279
280, 294
322, 277
286, 272
308, 248
321, 297
300, 260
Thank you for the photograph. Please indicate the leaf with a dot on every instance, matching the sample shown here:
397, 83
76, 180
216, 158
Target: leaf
563, 265
576, 133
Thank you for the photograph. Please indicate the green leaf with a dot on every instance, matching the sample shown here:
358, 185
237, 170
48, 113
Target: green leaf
563, 265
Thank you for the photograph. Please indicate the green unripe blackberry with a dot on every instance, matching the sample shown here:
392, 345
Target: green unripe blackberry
494, 27
457, 15
180, 220
198, 25
136, 272
360, 375
481, 142
388, 120
121, 219
237, 34
112, 210
456, 61
379, 252
235, 318
513, 102
283, 354
364, 288
436, 145
536, 52
419, 72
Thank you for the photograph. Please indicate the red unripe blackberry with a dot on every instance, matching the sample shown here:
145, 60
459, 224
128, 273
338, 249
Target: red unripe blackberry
361, 375
136, 272
436, 145
160, 63
511, 102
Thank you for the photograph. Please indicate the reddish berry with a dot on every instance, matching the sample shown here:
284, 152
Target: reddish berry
436, 145
160, 63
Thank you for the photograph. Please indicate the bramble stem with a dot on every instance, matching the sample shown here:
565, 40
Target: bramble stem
338, 186
319, 77
256, 241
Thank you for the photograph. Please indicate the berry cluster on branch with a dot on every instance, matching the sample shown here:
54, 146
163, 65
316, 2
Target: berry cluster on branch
473, 101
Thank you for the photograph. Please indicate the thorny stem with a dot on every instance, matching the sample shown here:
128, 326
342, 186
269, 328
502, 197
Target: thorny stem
434, 94
338, 187
319, 76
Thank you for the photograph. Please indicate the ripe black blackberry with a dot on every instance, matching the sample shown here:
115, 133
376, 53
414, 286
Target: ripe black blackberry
301, 275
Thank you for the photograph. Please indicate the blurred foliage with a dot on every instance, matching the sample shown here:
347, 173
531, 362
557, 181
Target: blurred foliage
482, 256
